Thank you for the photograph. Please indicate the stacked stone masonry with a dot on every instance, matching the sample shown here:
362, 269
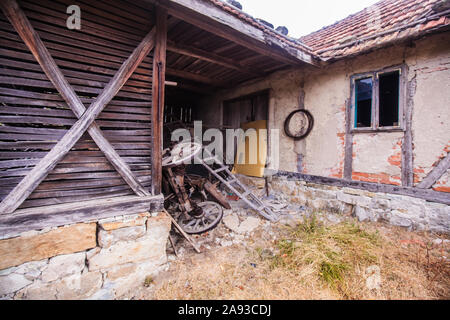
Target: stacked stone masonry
103, 260
409, 212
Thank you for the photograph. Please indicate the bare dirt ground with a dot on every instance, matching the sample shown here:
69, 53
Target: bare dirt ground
319, 258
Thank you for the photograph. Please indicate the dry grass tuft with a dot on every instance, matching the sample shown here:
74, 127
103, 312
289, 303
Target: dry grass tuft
314, 261
337, 254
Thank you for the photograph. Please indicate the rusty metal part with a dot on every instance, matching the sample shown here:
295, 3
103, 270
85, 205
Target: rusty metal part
216, 194
177, 184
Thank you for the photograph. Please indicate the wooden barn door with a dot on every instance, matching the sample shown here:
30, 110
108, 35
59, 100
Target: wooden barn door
76, 105
246, 109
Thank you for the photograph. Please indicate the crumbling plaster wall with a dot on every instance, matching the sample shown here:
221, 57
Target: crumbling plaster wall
376, 156
430, 64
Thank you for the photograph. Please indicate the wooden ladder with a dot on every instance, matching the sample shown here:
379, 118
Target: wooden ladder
233, 183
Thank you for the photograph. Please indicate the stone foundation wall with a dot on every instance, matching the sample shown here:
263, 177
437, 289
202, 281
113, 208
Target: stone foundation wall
102, 260
404, 211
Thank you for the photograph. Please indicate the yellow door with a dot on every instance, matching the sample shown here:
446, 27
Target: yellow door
251, 153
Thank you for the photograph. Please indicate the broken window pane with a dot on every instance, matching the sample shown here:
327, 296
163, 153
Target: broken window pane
389, 99
363, 103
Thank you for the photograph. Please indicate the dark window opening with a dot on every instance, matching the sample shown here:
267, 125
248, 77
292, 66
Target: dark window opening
389, 99
364, 103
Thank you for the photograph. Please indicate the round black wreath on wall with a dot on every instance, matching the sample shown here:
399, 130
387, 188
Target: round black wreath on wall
299, 124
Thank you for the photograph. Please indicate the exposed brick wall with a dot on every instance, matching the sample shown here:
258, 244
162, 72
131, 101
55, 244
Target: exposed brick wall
377, 178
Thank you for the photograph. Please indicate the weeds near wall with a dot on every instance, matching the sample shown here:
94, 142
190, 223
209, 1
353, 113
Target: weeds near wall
317, 261
335, 253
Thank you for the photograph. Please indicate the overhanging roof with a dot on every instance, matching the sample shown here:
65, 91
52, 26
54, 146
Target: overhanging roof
382, 24
228, 22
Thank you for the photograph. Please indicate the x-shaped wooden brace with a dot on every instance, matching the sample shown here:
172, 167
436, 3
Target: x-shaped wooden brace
86, 118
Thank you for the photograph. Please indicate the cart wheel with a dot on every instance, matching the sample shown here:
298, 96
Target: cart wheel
212, 214
181, 153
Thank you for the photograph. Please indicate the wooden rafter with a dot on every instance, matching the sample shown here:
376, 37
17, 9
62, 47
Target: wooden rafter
197, 77
202, 89
86, 120
211, 57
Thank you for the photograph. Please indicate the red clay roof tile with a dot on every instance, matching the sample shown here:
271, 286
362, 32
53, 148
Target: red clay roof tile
375, 26
380, 21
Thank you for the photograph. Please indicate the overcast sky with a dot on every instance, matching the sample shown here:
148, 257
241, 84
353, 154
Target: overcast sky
303, 16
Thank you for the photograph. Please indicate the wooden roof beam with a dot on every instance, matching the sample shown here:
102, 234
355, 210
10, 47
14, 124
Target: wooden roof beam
210, 57
207, 16
197, 78
201, 89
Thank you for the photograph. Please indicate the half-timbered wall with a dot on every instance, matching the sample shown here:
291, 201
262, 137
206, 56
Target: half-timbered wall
34, 116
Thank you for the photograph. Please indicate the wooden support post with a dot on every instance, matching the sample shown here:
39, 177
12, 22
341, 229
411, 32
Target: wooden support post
183, 233
21, 192
42, 55
159, 76
348, 160
407, 143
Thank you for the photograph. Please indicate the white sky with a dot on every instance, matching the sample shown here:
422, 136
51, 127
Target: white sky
302, 17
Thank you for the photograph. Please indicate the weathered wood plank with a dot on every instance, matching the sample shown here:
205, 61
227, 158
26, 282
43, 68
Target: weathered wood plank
435, 174
83, 184
54, 134
58, 215
39, 172
67, 122
39, 145
77, 88
98, 12
348, 153
81, 153
407, 143
79, 79
86, 193
54, 13
159, 78
32, 203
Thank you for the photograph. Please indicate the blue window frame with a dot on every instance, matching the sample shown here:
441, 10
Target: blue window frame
378, 100
363, 102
